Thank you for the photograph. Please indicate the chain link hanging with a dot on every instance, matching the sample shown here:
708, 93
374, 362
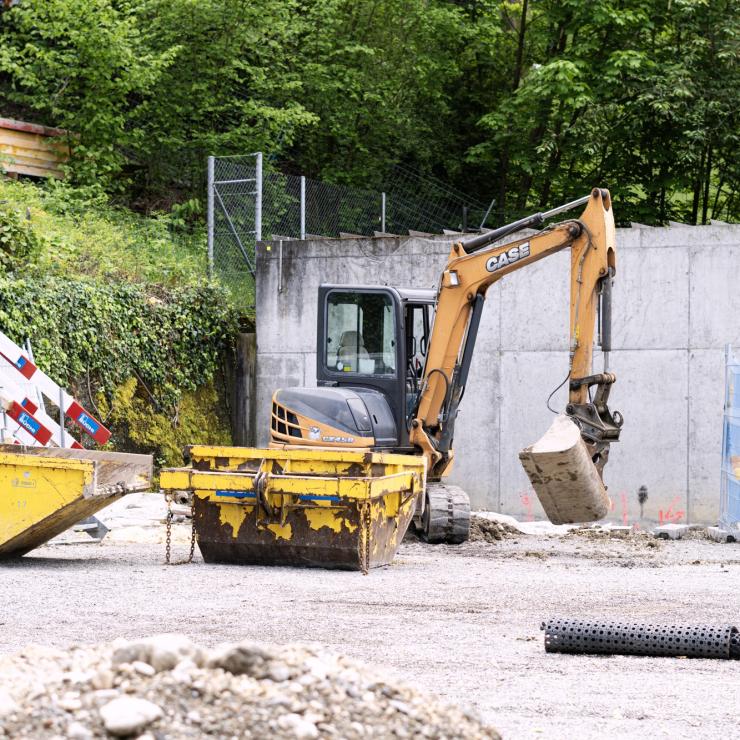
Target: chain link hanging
168, 536
363, 542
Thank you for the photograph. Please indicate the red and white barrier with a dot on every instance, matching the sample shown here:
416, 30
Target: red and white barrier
33, 420
13, 396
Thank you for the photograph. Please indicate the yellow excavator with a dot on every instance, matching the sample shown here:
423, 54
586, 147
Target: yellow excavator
378, 430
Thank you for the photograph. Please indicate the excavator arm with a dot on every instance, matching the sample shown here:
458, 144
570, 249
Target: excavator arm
472, 267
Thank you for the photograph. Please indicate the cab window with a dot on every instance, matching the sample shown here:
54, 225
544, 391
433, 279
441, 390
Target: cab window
418, 332
360, 334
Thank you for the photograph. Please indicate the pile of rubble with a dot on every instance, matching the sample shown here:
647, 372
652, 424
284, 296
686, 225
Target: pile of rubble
168, 687
490, 530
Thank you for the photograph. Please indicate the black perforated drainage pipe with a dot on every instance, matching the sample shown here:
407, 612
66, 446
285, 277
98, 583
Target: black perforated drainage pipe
632, 638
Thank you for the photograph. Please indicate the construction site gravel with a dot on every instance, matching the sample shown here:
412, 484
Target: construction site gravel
459, 623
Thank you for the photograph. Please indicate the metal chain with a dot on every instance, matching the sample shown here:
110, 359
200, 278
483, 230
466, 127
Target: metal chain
192, 527
363, 544
168, 537
168, 524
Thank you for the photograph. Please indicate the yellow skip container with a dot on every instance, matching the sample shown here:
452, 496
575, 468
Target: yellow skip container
310, 507
46, 490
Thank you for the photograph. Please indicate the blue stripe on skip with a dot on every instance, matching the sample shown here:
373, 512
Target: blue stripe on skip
249, 494
236, 494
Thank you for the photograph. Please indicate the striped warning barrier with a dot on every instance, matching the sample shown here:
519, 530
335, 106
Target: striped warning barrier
26, 420
15, 394
82, 418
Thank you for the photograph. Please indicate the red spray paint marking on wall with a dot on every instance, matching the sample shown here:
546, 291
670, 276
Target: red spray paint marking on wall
526, 499
669, 515
623, 497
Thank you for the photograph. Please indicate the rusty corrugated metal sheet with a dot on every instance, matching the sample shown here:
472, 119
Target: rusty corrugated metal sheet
31, 149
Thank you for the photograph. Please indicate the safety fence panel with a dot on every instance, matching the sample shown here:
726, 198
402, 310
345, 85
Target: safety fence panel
730, 481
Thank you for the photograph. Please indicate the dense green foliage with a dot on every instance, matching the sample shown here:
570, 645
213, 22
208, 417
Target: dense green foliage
530, 101
118, 310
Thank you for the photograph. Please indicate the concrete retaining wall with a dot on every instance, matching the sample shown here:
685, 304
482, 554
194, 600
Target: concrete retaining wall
677, 302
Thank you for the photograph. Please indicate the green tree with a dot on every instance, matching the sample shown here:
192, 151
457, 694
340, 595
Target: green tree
82, 66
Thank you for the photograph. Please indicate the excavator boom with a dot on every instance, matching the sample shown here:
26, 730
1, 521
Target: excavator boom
476, 264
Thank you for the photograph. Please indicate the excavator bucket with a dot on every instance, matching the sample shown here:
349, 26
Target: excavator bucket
46, 490
563, 475
308, 507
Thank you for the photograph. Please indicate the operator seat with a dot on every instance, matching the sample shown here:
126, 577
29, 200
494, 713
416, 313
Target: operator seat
352, 349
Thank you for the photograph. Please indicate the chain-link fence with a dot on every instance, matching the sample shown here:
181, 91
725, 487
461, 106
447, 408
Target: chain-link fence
246, 206
234, 215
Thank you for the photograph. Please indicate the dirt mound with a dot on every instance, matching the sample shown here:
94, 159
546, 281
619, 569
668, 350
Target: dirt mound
601, 534
488, 530
167, 687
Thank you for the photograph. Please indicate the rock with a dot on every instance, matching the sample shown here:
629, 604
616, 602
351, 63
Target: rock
102, 680
299, 727
245, 690
183, 671
279, 672
130, 652
70, 702
401, 706
316, 668
162, 652
78, 731
671, 531
142, 668
166, 651
128, 715
7, 704
103, 696
246, 657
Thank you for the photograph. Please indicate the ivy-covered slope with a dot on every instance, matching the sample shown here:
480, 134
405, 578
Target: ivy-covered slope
117, 308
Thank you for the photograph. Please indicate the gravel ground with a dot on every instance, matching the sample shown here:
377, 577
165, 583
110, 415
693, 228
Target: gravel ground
461, 623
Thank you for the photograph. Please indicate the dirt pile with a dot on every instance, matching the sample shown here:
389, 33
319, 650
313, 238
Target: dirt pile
488, 530
167, 687
601, 534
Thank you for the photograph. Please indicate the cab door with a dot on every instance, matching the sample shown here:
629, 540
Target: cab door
418, 319
361, 343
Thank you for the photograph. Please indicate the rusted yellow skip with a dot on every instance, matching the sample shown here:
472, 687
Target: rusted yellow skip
300, 506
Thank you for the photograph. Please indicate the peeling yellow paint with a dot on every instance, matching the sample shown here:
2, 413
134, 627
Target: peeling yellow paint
233, 515
325, 517
281, 531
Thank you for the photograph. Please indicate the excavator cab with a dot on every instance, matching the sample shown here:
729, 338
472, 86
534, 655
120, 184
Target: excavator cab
375, 338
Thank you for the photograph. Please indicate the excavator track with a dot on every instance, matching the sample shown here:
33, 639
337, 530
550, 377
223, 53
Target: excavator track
446, 516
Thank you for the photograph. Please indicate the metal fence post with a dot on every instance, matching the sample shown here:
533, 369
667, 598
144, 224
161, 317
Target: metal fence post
382, 212
488, 211
211, 179
258, 199
303, 207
